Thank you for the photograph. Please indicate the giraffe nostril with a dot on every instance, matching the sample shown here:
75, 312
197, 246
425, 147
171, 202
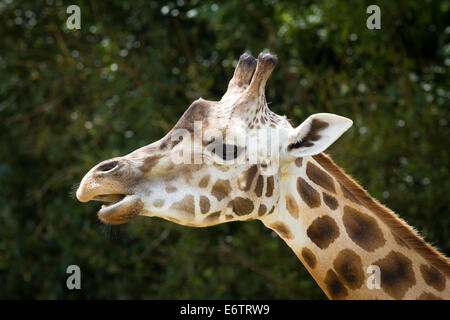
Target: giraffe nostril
107, 166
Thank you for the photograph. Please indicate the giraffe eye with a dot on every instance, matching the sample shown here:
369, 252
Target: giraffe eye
227, 151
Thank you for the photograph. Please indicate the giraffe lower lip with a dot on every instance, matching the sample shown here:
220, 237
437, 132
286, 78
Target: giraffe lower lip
121, 211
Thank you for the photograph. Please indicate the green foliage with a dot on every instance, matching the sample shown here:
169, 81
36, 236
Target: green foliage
69, 99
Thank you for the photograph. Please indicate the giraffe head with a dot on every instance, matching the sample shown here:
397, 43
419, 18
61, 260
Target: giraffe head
221, 162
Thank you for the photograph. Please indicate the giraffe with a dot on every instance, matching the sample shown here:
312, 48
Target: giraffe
334, 227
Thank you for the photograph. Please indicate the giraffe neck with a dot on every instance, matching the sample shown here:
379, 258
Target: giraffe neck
342, 236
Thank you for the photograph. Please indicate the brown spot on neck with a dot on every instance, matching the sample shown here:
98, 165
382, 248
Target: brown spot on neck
291, 206
330, 201
363, 229
397, 274
309, 195
335, 289
320, 177
348, 266
399, 240
348, 195
433, 277
323, 231
428, 296
282, 229
309, 257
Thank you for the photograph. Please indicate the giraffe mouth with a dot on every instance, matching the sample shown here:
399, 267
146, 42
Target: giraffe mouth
109, 197
122, 208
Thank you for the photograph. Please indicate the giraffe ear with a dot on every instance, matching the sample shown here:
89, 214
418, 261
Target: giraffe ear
317, 133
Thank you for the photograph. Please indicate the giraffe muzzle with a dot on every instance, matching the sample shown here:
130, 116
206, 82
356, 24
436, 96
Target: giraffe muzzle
121, 211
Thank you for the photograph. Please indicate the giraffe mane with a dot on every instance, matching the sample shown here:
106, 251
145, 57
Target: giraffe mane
390, 218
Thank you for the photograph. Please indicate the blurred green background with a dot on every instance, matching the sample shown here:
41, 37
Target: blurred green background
69, 99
